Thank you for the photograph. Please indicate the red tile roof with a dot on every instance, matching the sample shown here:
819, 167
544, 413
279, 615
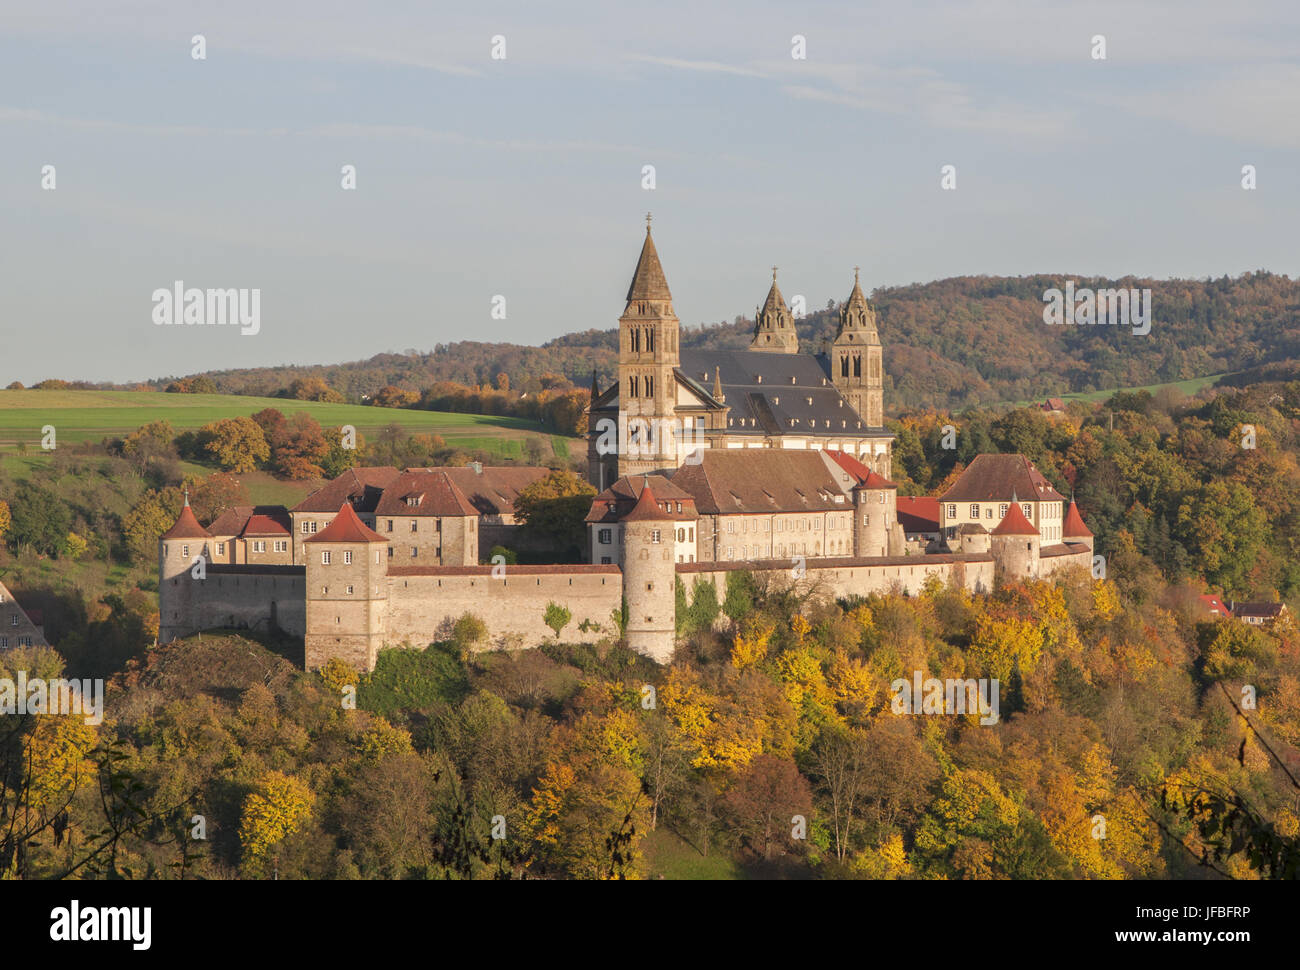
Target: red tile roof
763, 480
617, 500
359, 487
1014, 523
918, 513
1073, 526
492, 489
646, 508
1215, 605
991, 478
265, 525
865, 476
346, 527
258, 520
187, 526
436, 492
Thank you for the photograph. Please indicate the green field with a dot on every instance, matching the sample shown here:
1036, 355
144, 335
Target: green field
1188, 387
81, 416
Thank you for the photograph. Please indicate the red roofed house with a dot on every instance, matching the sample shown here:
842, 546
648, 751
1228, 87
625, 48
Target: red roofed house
427, 520
252, 534
1214, 606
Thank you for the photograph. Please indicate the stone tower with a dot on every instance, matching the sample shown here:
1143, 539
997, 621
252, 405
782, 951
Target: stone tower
1073, 529
647, 357
649, 578
1015, 544
177, 549
856, 367
347, 592
875, 501
774, 325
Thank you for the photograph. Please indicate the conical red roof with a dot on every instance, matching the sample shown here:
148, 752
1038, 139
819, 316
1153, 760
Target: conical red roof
187, 526
1014, 523
1074, 527
646, 507
346, 527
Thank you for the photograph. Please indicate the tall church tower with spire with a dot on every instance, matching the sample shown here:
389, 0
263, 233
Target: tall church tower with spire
774, 324
647, 356
856, 368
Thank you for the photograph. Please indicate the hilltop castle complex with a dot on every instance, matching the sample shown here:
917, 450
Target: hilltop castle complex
705, 463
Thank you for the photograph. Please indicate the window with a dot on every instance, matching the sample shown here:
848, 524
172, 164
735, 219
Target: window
649, 386
221, 551
4, 641
866, 519
412, 500
313, 527
952, 511
390, 525
1028, 510
415, 525
347, 558
690, 537
654, 535
379, 556
304, 527
681, 535
1002, 511
281, 545
605, 561
24, 641
390, 552
415, 552
988, 512
605, 536
974, 511
731, 525
349, 590
185, 552
13, 619
324, 558
259, 545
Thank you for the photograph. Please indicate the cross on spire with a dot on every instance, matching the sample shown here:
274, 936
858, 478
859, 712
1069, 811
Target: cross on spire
855, 273
648, 217
773, 274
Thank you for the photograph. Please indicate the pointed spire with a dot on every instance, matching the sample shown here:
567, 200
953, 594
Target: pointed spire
646, 507
856, 298
187, 525
775, 301
648, 281
717, 385
1014, 522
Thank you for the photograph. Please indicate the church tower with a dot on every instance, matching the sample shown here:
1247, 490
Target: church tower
774, 325
855, 358
647, 357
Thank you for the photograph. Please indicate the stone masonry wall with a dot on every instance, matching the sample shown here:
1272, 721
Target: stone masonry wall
423, 603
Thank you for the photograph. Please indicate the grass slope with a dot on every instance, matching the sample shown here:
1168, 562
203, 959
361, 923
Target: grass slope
81, 416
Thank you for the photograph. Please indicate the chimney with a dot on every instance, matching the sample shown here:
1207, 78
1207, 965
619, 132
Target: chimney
477, 466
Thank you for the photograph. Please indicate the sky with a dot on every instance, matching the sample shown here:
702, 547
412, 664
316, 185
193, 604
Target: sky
522, 177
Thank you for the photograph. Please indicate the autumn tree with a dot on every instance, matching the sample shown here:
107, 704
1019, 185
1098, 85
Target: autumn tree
763, 802
274, 811
236, 444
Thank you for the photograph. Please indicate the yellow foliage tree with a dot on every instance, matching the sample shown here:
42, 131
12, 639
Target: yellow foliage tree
277, 809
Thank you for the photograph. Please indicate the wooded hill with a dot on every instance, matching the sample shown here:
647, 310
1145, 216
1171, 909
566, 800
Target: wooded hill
948, 344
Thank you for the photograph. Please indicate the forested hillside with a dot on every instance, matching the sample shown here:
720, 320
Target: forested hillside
951, 343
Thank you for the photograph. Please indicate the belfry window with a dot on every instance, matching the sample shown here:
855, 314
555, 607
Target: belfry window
857, 366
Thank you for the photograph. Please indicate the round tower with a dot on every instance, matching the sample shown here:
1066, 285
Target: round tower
1073, 529
649, 578
972, 539
347, 592
1015, 544
178, 547
875, 501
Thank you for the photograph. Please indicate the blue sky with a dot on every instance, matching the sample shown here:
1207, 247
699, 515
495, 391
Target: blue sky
522, 177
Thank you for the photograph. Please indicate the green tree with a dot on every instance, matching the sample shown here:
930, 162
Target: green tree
557, 617
40, 520
554, 511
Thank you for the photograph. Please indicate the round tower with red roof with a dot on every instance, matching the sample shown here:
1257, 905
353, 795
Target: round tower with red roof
649, 578
1015, 544
178, 548
347, 592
